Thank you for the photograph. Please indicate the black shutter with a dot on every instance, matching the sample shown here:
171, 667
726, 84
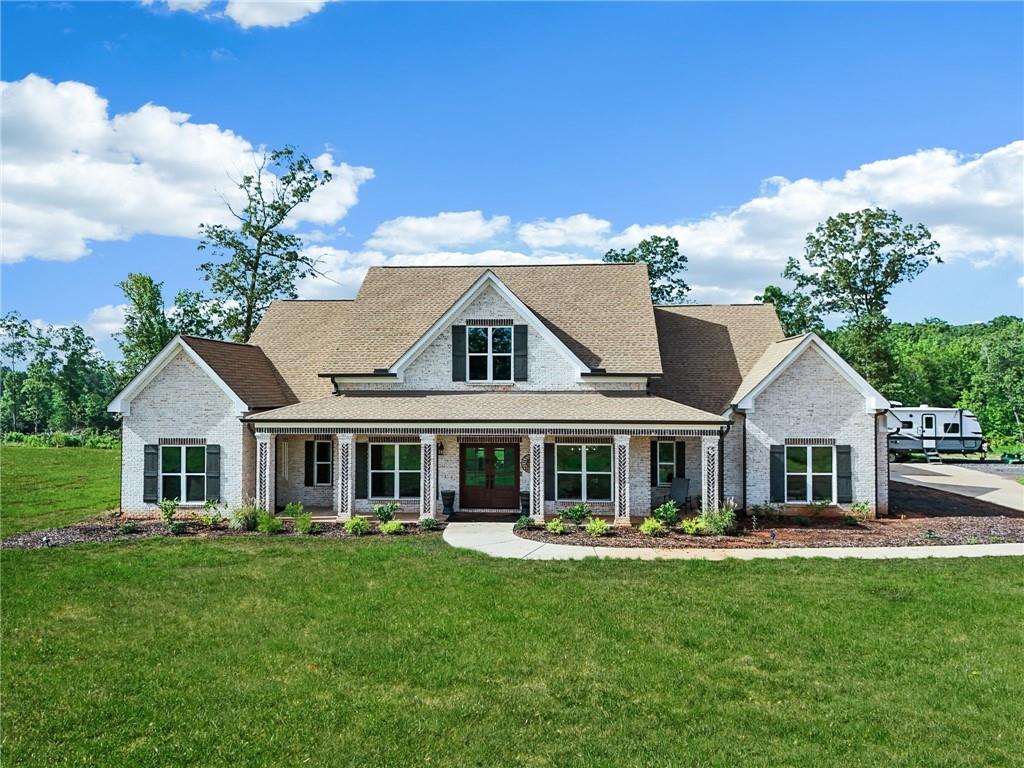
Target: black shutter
519, 344
549, 471
844, 475
310, 458
362, 469
654, 463
458, 353
680, 458
778, 473
151, 474
213, 472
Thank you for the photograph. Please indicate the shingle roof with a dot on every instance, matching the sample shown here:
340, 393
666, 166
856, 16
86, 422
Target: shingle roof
708, 349
602, 312
245, 369
569, 407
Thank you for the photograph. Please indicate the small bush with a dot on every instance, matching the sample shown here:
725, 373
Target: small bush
525, 522
819, 507
244, 517
597, 527
390, 527
304, 523
557, 525
129, 526
385, 512
211, 516
667, 512
802, 520
167, 509
357, 526
36, 441
268, 524
721, 521
293, 509
861, 510
766, 511
692, 526
577, 512
652, 526
850, 520
429, 524
64, 440
14, 437
177, 528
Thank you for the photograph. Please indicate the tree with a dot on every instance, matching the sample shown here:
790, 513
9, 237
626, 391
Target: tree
194, 314
665, 267
11, 401
795, 310
262, 261
146, 328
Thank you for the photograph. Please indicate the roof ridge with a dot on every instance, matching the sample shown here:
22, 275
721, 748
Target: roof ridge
729, 304
508, 266
219, 341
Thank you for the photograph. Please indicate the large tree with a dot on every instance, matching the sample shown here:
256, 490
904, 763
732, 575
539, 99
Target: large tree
665, 267
795, 310
261, 261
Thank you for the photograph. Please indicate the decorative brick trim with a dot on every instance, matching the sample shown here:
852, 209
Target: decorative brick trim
441, 429
810, 441
182, 441
596, 440
393, 438
489, 438
489, 323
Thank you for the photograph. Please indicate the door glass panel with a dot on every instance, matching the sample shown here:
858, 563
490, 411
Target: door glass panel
172, 487
599, 487
475, 462
821, 488
796, 459
195, 488
821, 459
504, 468
170, 460
599, 458
796, 488
195, 459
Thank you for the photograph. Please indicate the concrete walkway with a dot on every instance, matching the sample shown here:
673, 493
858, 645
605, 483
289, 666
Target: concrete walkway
996, 489
498, 540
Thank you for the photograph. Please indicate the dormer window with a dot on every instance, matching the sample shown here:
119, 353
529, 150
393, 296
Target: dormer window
489, 352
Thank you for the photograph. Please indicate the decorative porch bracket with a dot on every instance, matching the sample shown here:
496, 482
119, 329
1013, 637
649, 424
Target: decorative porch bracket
709, 468
620, 463
537, 477
266, 466
345, 475
428, 460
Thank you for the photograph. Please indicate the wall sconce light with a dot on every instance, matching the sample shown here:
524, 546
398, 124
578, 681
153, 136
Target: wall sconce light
440, 448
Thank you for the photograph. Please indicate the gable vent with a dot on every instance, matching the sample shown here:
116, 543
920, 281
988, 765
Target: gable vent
489, 322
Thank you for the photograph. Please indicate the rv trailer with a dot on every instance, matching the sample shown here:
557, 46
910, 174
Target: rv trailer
931, 430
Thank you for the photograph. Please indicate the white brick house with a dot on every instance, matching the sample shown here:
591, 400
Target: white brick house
500, 389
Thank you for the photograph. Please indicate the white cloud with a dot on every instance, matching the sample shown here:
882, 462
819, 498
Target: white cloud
419, 234
1020, 281
249, 13
579, 230
105, 321
73, 174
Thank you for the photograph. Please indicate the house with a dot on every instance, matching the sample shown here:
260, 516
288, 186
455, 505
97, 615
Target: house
541, 385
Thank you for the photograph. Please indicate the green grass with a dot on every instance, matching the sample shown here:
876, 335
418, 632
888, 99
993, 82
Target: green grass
48, 487
253, 652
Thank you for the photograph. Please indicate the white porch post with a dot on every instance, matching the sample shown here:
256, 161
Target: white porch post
537, 477
709, 466
428, 460
620, 479
344, 476
266, 469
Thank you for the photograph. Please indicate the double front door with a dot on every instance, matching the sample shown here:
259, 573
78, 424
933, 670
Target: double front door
489, 476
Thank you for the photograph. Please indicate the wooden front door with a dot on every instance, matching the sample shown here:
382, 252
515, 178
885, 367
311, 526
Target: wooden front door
489, 476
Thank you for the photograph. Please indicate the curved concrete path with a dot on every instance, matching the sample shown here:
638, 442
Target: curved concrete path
963, 481
498, 540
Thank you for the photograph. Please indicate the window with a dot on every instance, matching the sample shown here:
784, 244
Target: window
322, 462
489, 350
395, 470
951, 429
810, 473
584, 472
907, 424
928, 422
666, 462
183, 473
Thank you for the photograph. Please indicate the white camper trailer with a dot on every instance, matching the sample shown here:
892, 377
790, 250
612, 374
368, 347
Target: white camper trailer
930, 430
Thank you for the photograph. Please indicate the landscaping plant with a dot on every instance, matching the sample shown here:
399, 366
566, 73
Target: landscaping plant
523, 523
652, 526
267, 523
390, 527
244, 518
429, 524
303, 523
577, 512
177, 527
667, 512
386, 512
167, 509
129, 526
293, 509
357, 526
557, 526
721, 521
597, 527
692, 526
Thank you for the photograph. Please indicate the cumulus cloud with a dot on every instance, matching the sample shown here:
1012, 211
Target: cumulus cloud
249, 13
579, 230
105, 321
74, 174
420, 234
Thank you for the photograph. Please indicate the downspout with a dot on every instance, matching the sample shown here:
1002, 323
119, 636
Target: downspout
744, 462
722, 432
876, 462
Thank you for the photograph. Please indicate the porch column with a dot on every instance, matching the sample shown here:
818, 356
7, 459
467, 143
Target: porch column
266, 469
537, 478
620, 479
709, 467
428, 460
344, 476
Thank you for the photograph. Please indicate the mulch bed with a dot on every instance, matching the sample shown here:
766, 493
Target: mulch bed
110, 530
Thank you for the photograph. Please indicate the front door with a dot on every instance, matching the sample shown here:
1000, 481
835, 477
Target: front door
928, 431
490, 476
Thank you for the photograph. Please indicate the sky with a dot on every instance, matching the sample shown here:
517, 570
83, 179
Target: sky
509, 133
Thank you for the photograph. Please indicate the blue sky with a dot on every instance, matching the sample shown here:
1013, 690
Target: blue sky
545, 131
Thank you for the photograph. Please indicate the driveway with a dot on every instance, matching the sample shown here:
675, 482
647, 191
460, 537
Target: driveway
995, 489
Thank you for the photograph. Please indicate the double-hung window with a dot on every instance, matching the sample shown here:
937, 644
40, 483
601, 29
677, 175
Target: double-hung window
395, 470
584, 472
666, 462
810, 473
489, 352
183, 473
322, 462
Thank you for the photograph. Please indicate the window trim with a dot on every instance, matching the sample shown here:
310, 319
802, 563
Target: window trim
809, 474
659, 463
584, 473
317, 463
396, 472
183, 475
490, 353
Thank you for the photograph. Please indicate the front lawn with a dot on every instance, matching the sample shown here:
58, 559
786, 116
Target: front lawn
258, 652
49, 487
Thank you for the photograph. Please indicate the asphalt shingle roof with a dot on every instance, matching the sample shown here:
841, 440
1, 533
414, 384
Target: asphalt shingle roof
246, 369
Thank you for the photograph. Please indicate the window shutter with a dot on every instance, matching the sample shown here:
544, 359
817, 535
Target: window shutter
310, 454
213, 472
151, 474
654, 463
549, 471
778, 473
519, 344
680, 459
458, 353
844, 475
362, 469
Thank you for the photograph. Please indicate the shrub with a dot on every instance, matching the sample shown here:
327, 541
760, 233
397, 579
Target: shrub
819, 507
268, 524
390, 527
36, 441
577, 512
692, 526
802, 521
667, 512
850, 520
861, 510
92, 438
64, 440
652, 526
597, 527
167, 509
385, 512
244, 517
557, 525
766, 511
304, 523
357, 526
523, 523
14, 437
429, 523
211, 514
129, 526
177, 528
293, 509
720, 521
